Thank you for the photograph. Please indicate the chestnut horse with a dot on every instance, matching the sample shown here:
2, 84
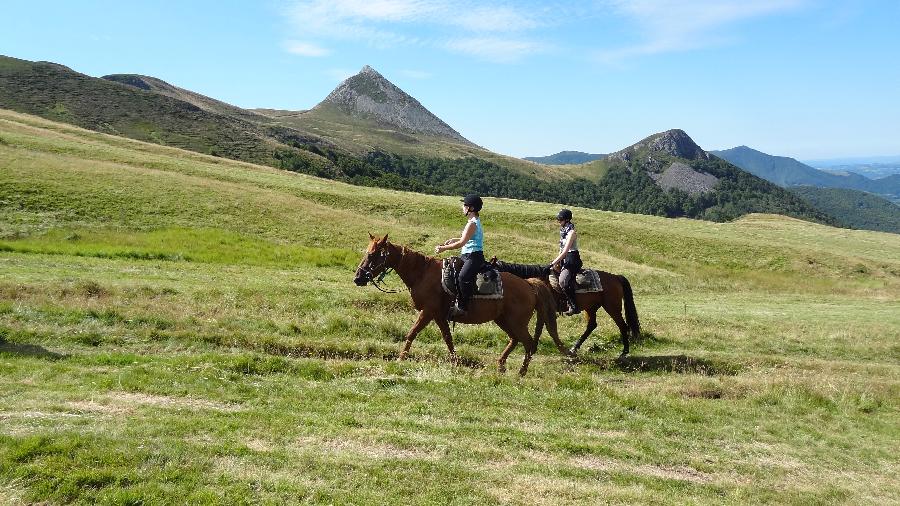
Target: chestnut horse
422, 275
616, 293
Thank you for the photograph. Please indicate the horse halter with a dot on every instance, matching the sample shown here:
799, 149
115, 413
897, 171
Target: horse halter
369, 271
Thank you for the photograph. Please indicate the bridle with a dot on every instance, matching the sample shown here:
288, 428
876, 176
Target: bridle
370, 271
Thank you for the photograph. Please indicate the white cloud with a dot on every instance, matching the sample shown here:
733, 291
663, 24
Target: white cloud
673, 25
505, 31
305, 48
391, 23
496, 49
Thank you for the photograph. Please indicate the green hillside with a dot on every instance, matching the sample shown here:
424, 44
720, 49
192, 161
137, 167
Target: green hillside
731, 192
854, 208
58, 93
390, 141
182, 328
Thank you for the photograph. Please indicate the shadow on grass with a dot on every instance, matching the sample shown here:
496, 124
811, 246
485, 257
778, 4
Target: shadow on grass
326, 351
681, 364
28, 350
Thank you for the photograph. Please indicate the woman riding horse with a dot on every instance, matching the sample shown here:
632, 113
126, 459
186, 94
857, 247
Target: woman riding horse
422, 275
472, 243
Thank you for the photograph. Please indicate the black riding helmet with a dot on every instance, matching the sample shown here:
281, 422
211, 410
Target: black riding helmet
473, 202
564, 214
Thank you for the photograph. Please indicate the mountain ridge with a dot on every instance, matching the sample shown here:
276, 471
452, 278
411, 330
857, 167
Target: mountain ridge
785, 171
566, 158
665, 174
369, 95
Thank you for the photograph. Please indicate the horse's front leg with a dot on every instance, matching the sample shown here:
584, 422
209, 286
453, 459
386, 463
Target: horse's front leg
591, 316
448, 339
423, 320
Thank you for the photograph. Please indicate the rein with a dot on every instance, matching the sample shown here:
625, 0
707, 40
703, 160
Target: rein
377, 282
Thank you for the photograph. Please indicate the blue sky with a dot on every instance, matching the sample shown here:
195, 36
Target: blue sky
800, 78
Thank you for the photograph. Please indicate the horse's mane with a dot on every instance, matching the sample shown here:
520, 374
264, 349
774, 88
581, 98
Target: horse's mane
413, 258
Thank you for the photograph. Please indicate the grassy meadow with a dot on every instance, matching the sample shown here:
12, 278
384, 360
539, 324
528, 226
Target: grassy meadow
181, 328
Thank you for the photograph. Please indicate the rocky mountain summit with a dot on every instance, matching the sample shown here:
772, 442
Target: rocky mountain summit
667, 158
369, 95
670, 143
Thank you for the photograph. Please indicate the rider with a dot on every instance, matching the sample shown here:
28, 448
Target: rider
472, 244
569, 258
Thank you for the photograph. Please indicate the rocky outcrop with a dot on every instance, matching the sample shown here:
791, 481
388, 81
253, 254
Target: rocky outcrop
370, 96
681, 176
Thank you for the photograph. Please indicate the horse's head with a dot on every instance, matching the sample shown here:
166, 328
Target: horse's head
375, 260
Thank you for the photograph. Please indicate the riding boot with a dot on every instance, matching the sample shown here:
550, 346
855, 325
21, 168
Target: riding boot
573, 305
457, 311
460, 308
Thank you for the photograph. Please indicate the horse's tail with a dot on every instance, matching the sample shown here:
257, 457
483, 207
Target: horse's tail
631, 316
545, 308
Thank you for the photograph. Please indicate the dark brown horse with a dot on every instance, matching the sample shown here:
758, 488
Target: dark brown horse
422, 275
616, 294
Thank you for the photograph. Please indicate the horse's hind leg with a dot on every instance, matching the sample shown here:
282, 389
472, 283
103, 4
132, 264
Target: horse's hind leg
529, 352
517, 333
501, 363
623, 328
591, 315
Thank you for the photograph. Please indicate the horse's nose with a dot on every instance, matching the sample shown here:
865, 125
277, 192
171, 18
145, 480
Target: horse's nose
359, 280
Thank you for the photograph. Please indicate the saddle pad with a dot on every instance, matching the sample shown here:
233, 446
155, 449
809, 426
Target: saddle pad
488, 284
586, 281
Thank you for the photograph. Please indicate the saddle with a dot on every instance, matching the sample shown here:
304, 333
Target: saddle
586, 281
488, 284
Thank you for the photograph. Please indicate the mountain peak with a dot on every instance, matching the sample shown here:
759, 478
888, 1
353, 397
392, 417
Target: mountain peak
369, 95
673, 142
370, 71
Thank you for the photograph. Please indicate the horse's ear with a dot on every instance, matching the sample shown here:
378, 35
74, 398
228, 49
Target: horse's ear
384, 240
371, 237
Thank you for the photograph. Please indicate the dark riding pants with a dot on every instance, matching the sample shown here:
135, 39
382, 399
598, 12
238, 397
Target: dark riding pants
571, 264
472, 263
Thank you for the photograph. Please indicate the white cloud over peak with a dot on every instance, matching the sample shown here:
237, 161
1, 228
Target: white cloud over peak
480, 29
494, 49
305, 48
673, 25
504, 31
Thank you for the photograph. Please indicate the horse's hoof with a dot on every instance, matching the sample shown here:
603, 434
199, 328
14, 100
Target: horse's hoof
401, 357
454, 359
571, 352
623, 355
501, 369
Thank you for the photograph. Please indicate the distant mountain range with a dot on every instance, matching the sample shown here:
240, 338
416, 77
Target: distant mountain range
854, 200
785, 171
369, 132
870, 170
565, 158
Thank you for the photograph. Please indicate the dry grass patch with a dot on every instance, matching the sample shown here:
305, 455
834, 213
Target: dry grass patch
680, 473
243, 469
135, 398
357, 448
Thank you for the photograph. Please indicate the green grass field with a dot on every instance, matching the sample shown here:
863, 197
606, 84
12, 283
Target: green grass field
180, 328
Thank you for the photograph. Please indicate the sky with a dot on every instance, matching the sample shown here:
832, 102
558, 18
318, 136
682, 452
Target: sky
810, 79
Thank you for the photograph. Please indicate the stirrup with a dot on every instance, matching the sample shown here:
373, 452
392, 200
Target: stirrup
572, 311
456, 312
